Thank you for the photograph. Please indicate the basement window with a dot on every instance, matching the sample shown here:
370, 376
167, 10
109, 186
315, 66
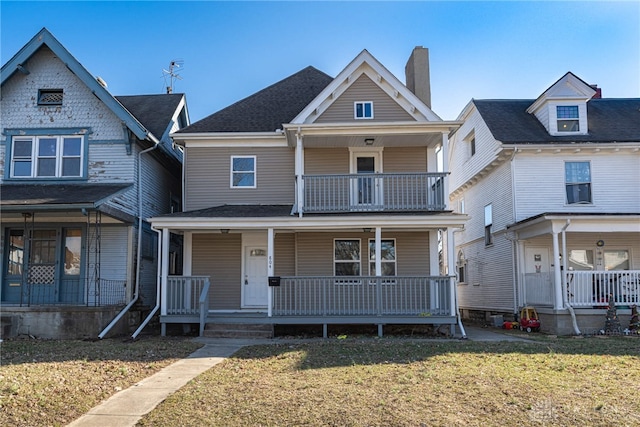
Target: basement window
50, 97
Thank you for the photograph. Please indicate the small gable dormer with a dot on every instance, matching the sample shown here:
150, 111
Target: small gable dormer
562, 108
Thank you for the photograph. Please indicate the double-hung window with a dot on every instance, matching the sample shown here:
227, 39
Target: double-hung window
243, 171
346, 257
488, 223
578, 182
363, 110
387, 257
47, 157
568, 118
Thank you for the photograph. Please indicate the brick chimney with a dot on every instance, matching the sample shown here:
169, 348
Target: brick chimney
598, 93
417, 74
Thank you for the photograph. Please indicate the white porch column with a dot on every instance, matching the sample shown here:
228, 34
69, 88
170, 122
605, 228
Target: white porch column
557, 273
164, 271
187, 253
270, 268
445, 167
451, 270
378, 251
434, 270
299, 169
521, 277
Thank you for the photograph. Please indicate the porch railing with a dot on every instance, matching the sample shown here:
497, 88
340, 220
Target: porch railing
362, 296
76, 291
184, 294
594, 288
374, 192
586, 289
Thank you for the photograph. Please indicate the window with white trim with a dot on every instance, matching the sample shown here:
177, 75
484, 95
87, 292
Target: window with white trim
363, 109
387, 257
488, 223
47, 156
243, 171
461, 265
568, 118
578, 182
346, 257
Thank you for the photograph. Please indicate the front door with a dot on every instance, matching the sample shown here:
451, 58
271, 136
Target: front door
255, 286
538, 277
366, 189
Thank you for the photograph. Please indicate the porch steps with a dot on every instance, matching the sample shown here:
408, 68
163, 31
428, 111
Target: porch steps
238, 330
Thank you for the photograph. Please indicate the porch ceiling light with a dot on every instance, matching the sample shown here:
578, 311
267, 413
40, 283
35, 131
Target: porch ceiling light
369, 141
224, 230
366, 230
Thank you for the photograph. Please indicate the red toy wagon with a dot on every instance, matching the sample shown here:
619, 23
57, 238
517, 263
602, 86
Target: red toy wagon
529, 320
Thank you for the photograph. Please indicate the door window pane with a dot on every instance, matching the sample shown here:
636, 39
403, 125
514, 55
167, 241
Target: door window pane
72, 251
16, 252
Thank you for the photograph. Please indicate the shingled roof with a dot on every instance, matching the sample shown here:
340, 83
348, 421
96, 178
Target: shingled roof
153, 111
268, 109
18, 196
610, 120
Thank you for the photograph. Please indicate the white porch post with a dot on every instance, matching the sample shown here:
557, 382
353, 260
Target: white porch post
522, 278
299, 169
557, 285
164, 271
378, 251
270, 269
451, 270
187, 255
445, 168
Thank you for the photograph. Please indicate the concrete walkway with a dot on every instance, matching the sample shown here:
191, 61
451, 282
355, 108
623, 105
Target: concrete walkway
126, 408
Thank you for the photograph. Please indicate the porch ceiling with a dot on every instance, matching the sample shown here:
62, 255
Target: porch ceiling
586, 223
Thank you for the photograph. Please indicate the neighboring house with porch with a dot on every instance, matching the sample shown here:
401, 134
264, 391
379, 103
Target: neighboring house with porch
79, 169
316, 200
552, 188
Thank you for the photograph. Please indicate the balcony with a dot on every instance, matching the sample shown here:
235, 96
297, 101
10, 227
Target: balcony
374, 192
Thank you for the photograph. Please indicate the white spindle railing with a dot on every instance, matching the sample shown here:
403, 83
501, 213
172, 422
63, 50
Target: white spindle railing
595, 288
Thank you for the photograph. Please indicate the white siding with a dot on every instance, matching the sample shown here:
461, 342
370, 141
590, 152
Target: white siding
462, 165
540, 182
113, 253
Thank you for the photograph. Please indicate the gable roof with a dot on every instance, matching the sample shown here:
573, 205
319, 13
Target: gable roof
365, 63
155, 112
268, 109
610, 120
44, 38
568, 86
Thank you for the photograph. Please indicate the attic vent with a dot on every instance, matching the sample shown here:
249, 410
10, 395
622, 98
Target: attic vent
50, 97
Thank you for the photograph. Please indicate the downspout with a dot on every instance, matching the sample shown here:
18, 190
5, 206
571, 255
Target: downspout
136, 293
451, 249
158, 284
564, 283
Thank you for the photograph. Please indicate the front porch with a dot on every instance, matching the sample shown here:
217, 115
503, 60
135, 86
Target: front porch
378, 300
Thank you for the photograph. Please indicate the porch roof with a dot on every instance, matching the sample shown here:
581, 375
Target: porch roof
249, 217
17, 197
549, 222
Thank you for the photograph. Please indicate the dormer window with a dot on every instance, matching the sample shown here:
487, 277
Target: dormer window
363, 110
50, 97
568, 118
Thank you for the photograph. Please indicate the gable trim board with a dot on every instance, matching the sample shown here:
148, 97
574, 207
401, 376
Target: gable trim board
366, 64
44, 37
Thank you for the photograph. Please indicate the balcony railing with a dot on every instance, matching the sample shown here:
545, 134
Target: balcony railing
387, 192
362, 296
76, 291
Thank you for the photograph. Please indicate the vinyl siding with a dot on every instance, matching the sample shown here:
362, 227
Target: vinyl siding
323, 161
364, 89
315, 252
218, 256
207, 179
285, 256
404, 159
540, 183
113, 254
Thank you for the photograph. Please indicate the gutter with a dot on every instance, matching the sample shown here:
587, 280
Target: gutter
136, 293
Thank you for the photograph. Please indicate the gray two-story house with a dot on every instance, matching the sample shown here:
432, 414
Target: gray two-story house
317, 200
80, 169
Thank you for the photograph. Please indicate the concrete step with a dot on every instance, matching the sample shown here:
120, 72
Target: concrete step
238, 330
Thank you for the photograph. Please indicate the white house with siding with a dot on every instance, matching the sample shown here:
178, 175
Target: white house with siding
79, 170
551, 189
317, 200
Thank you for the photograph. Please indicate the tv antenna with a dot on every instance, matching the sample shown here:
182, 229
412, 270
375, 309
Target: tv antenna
171, 75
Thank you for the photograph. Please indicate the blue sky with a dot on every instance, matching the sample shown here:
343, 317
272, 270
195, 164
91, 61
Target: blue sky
233, 49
